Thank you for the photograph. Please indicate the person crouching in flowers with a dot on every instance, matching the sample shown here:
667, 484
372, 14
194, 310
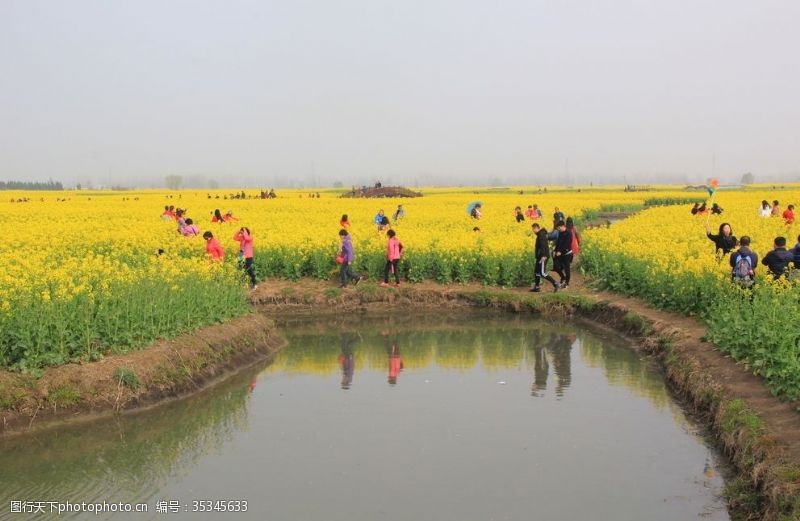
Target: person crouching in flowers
245, 240
213, 247
394, 250
346, 256
190, 229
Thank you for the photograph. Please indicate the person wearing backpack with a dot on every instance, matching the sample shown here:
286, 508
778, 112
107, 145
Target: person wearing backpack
541, 252
743, 263
394, 250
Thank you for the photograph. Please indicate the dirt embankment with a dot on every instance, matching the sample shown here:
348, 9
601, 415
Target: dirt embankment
165, 370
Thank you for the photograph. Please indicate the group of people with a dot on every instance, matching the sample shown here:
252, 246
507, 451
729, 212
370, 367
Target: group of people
382, 221
744, 261
765, 209
702, 209
566, 246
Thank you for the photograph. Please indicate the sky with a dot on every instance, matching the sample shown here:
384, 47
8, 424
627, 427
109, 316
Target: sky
426, 92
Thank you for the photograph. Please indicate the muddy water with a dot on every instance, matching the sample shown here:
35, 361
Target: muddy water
477, 417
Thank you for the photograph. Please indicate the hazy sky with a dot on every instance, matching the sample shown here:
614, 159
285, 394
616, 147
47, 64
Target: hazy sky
404, 91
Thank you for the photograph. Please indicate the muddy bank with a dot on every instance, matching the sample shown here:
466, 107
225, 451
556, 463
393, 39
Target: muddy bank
166, 370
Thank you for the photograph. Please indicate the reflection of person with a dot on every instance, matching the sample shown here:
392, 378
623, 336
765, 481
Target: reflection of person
395, 363
347, 360
561, 348
540, 365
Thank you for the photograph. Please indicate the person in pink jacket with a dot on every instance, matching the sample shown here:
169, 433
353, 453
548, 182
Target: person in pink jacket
245, 240
190, 229
394, 250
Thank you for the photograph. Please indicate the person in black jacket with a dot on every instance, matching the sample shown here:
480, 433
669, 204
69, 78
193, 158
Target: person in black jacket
562, 254
542, 253
777, 261
725, 240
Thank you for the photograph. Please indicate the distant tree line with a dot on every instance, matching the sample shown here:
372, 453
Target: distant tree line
31, 185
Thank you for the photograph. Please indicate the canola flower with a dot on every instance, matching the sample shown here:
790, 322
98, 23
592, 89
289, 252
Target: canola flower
80, 275
663, 255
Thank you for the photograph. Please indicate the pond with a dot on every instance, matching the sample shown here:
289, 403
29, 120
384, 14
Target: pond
475, 416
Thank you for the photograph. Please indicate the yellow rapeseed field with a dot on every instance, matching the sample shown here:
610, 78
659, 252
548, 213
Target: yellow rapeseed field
81, 275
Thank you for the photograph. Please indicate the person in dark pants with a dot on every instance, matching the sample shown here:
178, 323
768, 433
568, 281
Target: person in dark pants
348, 255
541, 251
562, 254
777, 261
394, 250
245, 240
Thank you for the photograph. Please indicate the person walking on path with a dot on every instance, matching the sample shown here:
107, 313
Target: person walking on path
562, 254
347, 256
541, 252
394, 250
245, 240
576, 237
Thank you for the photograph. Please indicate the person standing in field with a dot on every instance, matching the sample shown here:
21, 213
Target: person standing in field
562, 254
765, 210
576, 237
394, 250
776, 209
213, 248
558, 215
743, 263
777, 260
399, 213
347, 255
518, 215
788, 215
541, 251
796, 254
344, 222
725, 240
245, 240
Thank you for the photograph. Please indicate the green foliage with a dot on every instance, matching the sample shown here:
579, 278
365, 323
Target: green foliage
121, 318
757, 327
127, 377
63, 396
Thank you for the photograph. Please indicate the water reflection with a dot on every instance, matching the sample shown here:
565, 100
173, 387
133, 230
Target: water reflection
545, 349
264, 418
347, 360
